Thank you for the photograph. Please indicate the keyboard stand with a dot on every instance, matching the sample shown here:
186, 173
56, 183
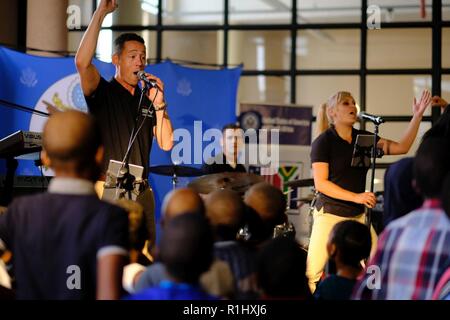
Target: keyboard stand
11, 166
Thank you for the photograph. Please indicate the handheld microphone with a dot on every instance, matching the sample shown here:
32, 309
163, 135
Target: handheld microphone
141, 76
370, 117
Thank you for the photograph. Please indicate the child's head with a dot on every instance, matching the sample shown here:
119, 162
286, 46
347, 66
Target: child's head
349, 243
72, 145
281, 268
187, 247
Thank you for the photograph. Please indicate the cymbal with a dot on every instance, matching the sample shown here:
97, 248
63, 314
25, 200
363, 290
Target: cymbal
237, 181
300, 183
180, 171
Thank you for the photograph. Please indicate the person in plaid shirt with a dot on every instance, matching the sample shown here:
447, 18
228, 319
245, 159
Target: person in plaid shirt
413, 252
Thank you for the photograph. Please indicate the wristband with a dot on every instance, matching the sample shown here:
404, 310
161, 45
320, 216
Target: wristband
161, 107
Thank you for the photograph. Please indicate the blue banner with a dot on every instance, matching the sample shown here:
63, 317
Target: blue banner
192, 95
293, 122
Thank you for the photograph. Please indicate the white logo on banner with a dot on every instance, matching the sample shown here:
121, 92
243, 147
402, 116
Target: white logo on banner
28, 78
184, 87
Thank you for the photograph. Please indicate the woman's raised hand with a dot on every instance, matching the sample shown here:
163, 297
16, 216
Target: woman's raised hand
420, 106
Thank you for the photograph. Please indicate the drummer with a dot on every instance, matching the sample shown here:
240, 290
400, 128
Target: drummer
232, 143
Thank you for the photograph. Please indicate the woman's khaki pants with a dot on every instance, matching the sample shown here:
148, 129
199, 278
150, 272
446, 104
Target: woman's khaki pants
317, 250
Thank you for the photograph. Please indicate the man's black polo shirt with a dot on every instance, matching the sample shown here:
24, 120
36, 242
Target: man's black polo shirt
116, 111
219, 164
329, 147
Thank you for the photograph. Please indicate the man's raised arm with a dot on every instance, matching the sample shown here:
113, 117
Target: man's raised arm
83, 60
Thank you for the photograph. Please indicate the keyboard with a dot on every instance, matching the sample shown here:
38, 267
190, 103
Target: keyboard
20, 143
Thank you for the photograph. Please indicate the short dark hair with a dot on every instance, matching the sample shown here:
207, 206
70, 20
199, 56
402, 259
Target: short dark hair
225, 211
77, 142
272, 202
233, 126
187, 247
281, 268
352, 241
431, 165
119, 43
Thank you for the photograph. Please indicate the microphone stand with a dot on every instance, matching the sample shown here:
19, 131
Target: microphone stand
372, 180
125, 180
19, 107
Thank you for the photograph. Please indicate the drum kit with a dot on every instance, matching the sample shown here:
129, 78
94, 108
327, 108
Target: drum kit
302, 214
241, 182
205, 184
175, 171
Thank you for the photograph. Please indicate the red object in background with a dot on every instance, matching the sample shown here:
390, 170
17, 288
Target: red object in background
423, 12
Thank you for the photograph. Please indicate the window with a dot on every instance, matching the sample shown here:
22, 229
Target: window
399, 48
393, 95
260, 12
260, 50
299, 57
264, 89
403, 11
193, 46
328, 49
446, 48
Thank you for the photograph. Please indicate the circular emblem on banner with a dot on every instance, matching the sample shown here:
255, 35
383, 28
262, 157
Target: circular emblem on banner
250, 120
64, 94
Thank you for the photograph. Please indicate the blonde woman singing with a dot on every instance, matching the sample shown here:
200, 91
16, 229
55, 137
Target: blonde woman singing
341, 187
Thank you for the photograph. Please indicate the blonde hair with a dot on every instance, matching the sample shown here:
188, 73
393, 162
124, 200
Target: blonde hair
324, 119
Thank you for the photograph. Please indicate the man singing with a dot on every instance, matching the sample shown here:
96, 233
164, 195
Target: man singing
115, 103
